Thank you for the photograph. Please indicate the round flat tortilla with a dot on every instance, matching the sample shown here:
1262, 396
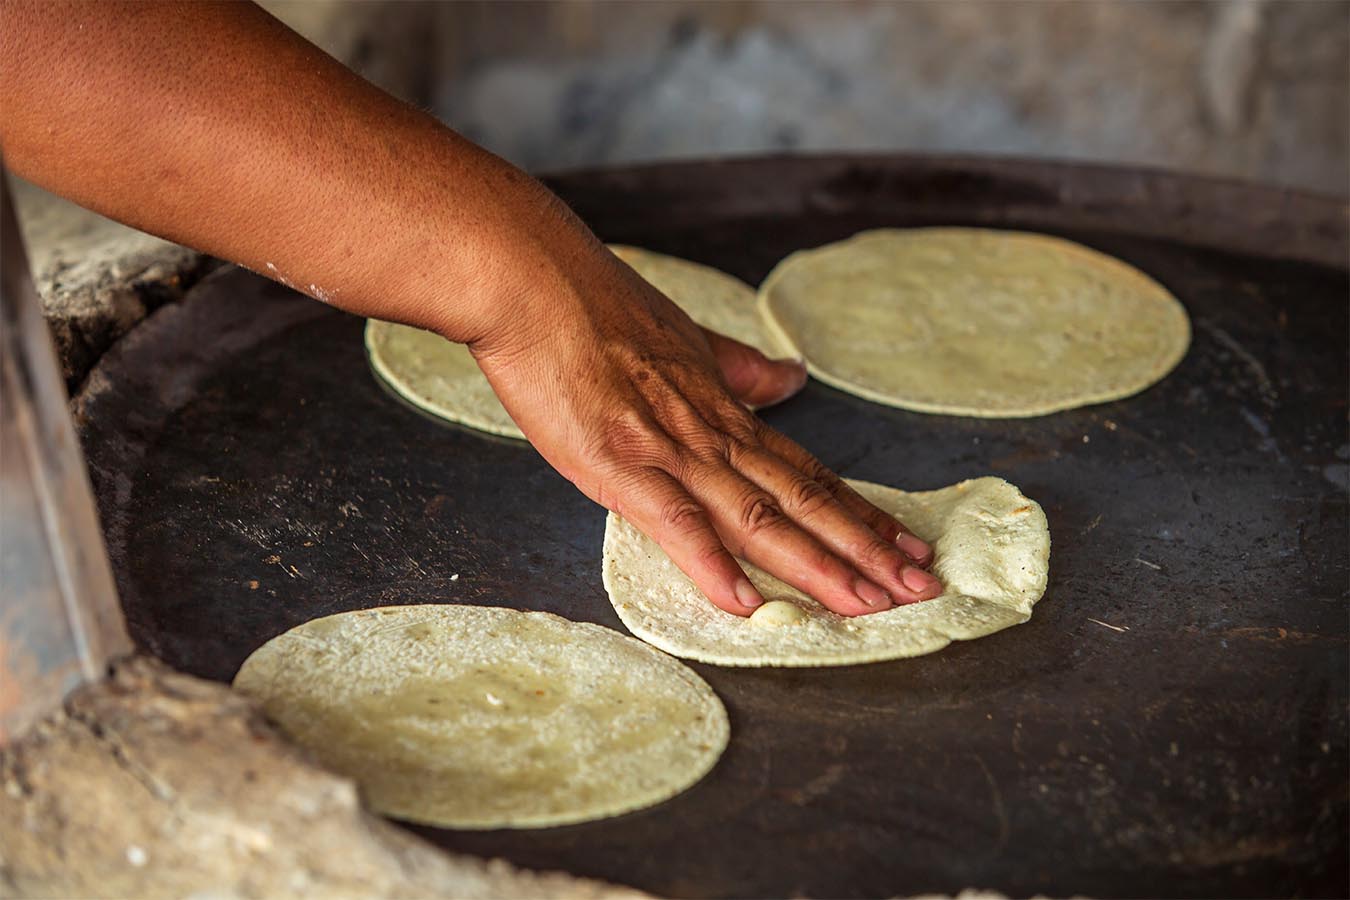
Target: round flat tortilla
992, 553
479, 717
437, 376
441, 377
974, 322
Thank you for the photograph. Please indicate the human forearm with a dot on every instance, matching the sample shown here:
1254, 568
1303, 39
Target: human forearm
217, 127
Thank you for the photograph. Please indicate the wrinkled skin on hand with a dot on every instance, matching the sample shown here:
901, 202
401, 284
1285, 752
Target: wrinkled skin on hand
643, 411
614, 385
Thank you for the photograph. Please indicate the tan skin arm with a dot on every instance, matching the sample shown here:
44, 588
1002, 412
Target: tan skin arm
215, 126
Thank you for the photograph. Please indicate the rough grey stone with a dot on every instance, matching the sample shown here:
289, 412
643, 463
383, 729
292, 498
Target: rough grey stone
96, 278
156, 784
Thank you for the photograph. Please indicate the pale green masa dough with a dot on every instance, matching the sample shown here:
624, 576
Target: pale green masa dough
992, 554
480, 717
974, 322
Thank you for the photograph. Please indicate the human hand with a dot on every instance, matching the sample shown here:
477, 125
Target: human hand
638, 406
614, 385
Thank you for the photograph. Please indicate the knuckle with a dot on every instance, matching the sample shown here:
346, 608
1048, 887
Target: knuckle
803, 459
817, 471
764, 433
758, 514
808, 498
877, 555
743, 456
682, 515
739, 454
742, 425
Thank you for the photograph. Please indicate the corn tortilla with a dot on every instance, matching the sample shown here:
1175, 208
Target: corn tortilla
992, 553
974, 322
480, 717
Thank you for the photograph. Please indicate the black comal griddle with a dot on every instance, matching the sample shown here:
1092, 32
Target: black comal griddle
1172, 720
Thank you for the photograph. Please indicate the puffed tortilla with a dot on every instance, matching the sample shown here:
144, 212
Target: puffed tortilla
480, 717
975, 322
441, 377
991, 551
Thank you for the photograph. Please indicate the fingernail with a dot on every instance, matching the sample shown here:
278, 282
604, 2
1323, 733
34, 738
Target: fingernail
870, 594
919, 581
747, 595
913, 547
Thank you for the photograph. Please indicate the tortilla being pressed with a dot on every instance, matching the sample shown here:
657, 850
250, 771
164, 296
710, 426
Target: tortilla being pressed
991, 551
975, 322
479, 717
441, 377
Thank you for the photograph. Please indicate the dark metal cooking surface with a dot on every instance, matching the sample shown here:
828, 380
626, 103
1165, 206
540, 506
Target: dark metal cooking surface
1172, 720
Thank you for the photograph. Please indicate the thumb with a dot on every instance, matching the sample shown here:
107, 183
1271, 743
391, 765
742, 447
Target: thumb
753, 377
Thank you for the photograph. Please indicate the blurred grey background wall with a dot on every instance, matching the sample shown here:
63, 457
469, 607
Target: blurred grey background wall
1257, 89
